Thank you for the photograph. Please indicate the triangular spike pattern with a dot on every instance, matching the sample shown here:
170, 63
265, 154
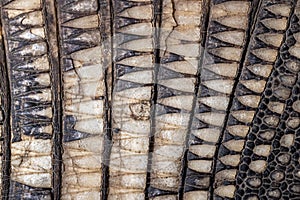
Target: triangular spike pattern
276, 112
264, 51
149, 99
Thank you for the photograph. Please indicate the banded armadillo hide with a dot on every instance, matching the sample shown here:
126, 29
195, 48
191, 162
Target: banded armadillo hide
150, 99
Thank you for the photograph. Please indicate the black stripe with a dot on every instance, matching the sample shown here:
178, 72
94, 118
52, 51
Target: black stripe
106, 27
157, 9
6, 101
51, 27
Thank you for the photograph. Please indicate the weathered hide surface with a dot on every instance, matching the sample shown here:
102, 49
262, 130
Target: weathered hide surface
150, 99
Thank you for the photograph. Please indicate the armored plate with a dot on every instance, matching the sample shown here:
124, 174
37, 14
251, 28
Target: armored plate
150, 99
